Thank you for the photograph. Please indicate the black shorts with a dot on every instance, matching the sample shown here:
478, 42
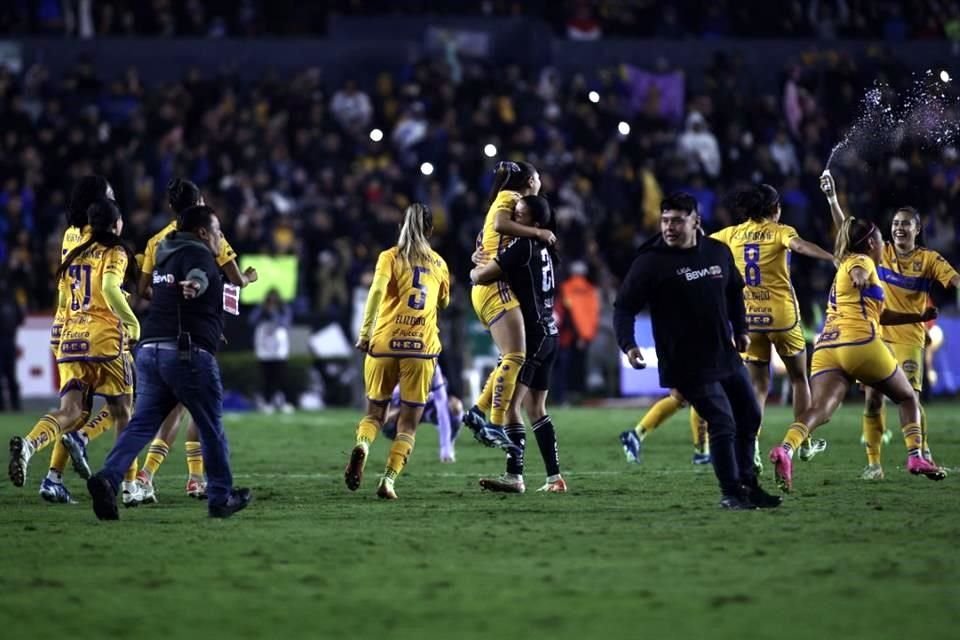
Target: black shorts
538, 365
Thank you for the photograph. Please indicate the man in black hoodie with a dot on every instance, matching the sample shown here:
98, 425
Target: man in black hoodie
695, 295
176, 362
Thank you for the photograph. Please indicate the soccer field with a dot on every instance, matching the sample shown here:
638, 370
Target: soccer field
632, 551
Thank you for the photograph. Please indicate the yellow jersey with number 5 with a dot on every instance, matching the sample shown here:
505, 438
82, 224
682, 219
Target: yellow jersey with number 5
906, 282
406, 324
762, 253
853, 315
91, 330
72, 238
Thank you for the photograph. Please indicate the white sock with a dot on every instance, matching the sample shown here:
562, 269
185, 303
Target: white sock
55, 476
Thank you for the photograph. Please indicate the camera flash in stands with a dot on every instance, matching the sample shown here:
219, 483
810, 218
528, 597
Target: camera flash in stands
426, 169
376, 135
944, 75
623, 128
594, 97
490, 150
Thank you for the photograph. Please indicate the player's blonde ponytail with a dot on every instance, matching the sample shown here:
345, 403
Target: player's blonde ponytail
414, 242
853, 233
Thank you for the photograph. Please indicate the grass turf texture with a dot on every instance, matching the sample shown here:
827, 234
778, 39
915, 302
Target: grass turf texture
639, 550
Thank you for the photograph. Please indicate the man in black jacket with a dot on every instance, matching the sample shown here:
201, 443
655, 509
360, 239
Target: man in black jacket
695, 295
176, 363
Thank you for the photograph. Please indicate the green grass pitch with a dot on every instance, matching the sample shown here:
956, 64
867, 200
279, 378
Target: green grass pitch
634, 551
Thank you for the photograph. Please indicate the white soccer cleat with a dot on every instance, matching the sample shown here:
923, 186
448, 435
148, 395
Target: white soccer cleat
810, 448
21, 450
506, 483
131, 494
872, 472
145, 483
558, 485
385, 489
757, 459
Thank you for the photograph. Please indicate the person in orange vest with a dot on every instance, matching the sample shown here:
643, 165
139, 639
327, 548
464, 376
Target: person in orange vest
578, 311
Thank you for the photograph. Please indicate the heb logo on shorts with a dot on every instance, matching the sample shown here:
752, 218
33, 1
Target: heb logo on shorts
163, 278
73, 347
406, 345
713, 271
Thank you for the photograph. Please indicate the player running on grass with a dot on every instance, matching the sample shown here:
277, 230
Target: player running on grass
907, 271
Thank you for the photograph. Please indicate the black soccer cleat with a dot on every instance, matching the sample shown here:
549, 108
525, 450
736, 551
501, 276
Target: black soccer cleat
104, 498
760, 498
236, 501
353, 474
736, 503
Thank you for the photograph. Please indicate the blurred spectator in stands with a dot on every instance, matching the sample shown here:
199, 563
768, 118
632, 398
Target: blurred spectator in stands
578, 309
583, 24
11, 317
352, 109
271, 343
699, 146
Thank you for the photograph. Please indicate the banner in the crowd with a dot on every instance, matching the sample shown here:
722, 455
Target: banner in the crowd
664, 91
36, 368
274, 272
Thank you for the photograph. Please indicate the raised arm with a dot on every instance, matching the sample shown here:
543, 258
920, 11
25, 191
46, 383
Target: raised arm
829, 188
806, 248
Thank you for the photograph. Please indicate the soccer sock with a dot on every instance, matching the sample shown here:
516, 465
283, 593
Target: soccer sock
913, 438
518, 436
194, 458
504, 385
486, 395
58, 458
873, 428
156, 454
547, 443
698, 432
923, 431
399, 453
367, 432
55, 476
98, 425
796, 434
46, 431
662, 410
131, 473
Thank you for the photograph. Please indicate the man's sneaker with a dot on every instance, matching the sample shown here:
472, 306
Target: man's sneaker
736, 503
757, 459
886, 437
782, 468
632, 445
131, 494
77, 449
353, 474
474, 420
236, 501
20, 453
448, 457
810, 448
145, 483
555, 486
104, 498
504, 484
196, 488
872, 472
493, 436
385, 489
756, 496
55, 492
922, 467
701, 458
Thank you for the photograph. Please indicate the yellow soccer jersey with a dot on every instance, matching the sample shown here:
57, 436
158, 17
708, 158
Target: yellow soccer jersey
906, 283
407, 318
761, 251
853, 316
490, 241
72, 237
150, 253
91, 331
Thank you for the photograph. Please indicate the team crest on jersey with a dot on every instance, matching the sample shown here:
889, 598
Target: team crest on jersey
910, 366
917, 265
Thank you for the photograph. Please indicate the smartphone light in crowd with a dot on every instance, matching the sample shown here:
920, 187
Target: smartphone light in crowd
490, 150
376, 135
594, 97
623, 128
426, 169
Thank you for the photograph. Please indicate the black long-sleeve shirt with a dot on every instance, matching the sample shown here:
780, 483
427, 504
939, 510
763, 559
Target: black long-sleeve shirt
695, 298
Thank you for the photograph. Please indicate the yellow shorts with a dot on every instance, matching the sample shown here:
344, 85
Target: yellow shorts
110, 379
787, 343
870, 362
414, 375
491, 301
910, 359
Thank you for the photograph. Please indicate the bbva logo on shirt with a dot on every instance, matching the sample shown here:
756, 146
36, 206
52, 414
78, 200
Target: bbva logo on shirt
163, 278
714, 271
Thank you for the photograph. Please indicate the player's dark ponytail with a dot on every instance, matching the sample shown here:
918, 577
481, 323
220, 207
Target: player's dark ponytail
755, 203
514, 176
182, 194
100, 216
88, 190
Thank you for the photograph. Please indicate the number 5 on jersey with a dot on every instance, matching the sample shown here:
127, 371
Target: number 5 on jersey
418, 300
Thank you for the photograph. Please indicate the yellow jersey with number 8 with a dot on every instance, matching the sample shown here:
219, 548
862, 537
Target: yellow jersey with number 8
761, 251
406, 324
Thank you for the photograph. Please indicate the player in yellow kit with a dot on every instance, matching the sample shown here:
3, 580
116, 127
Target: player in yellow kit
495, 304
401, 338
761, 247
850, 348
181, 195
96, 327
662, 410
907, 272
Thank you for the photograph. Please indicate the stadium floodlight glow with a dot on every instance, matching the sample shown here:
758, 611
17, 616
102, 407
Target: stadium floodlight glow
490, 150
624, 128
944, 75
426, 169
376, 135
594, 97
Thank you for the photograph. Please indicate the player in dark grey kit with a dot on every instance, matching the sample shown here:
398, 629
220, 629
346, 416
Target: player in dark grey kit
528, 266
